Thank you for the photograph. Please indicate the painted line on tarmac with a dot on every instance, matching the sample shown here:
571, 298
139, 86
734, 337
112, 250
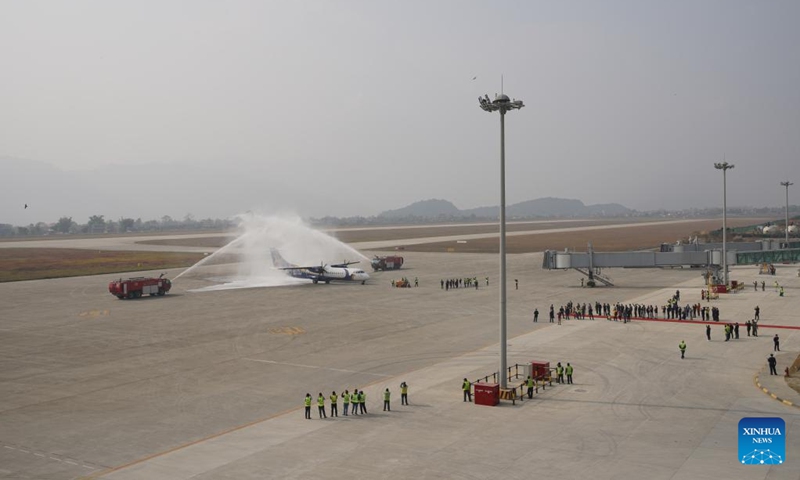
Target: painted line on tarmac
757, 381
316, 367
76, 462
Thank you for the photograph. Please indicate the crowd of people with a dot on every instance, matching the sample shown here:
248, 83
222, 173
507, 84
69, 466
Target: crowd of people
358, 400
625, 312
466, 282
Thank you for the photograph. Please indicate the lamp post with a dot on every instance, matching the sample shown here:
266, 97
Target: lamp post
724, 166
502, 104
786, 184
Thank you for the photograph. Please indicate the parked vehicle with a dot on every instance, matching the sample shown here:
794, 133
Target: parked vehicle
392, 262
137, 286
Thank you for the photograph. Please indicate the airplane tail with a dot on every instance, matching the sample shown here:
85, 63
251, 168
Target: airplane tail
277, 260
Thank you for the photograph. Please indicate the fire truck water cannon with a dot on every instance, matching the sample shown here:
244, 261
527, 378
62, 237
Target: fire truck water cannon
137, 286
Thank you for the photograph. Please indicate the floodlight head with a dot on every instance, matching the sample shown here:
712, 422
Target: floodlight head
787, 184
723, 166
502, 103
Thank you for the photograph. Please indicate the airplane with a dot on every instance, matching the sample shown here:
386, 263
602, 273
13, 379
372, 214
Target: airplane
320, 273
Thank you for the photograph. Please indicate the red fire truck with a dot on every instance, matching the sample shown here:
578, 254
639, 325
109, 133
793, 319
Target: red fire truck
387, 263
137, 286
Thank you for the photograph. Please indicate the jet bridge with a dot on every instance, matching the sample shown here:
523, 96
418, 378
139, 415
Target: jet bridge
708, 256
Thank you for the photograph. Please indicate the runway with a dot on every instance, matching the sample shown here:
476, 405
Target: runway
211, 385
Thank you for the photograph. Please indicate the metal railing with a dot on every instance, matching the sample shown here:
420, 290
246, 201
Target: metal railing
515, 372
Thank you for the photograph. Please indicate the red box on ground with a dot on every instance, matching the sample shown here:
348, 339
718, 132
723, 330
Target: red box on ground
486, 394
539, 369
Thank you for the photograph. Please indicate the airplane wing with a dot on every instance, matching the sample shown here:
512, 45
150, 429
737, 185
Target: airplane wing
344, 265
315, 269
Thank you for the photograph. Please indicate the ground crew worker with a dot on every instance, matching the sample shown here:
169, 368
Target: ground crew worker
346, 401
529, 383
708, 331
773, 362
308, 406
334, 405
387, 395
354, 401
781, 294
466, 388
569, 373
682, 347
362, 401
404, 393
321, 405
559, 373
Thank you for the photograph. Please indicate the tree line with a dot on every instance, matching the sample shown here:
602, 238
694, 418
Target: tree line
98, 224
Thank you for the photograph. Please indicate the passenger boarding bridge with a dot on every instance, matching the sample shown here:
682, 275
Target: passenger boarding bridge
704, 255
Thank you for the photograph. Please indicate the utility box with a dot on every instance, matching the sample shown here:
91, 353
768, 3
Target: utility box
486, 393
539, 369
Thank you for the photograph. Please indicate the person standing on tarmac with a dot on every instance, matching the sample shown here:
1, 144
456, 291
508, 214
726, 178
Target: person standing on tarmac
708, 331
559, 373
308, 406
749, 326
321, 405
404, 393
552, 313
354, 402
773, 362
535, 315
682, 347
346, 401
387, 395
334, 405
362, 400
465, 386
569, 373
529, 383
776, 343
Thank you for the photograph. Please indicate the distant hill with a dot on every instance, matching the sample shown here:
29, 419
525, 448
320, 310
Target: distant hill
425, 208
541, 207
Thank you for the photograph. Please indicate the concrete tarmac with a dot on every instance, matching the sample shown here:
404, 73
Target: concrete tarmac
211, 385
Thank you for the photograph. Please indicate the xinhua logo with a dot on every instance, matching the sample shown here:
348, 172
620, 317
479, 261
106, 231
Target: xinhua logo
762, 441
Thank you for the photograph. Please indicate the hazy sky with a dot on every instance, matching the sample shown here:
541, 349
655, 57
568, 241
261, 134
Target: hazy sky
350, 108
